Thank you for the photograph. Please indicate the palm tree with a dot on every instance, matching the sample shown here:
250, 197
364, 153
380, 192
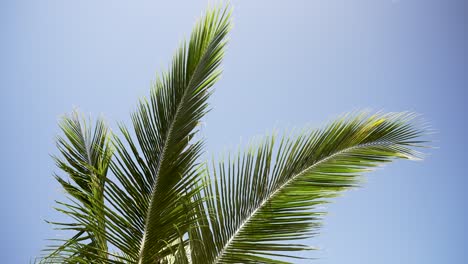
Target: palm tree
147, 197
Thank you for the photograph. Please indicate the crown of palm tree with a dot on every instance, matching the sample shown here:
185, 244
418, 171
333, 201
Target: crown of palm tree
147, 197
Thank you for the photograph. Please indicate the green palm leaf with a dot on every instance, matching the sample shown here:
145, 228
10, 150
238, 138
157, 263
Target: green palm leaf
86, 155
266, 199
156, 171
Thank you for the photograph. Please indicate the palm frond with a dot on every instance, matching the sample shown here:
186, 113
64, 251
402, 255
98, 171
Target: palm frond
157, 170
85, 157
266, 199
163, 205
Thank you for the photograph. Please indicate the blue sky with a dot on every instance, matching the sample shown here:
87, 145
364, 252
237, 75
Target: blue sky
289, 64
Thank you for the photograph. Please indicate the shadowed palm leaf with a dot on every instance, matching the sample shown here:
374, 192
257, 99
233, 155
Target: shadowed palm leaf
85, 159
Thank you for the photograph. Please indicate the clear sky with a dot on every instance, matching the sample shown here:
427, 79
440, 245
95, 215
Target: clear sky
289, 63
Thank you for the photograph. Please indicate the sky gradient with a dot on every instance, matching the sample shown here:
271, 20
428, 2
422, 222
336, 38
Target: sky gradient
288, 64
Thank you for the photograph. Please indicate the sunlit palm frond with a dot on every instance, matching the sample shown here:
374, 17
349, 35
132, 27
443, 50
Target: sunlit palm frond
157, 169
85, 157
266, 199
